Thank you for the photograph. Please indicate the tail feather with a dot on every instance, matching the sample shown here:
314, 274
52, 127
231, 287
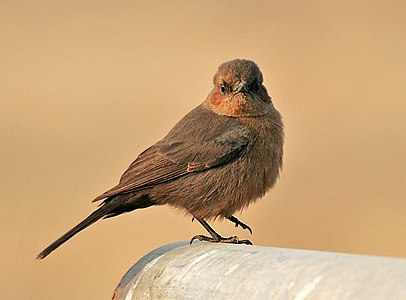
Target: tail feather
92, 218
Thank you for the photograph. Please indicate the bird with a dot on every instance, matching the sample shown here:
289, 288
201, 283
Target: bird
219, 158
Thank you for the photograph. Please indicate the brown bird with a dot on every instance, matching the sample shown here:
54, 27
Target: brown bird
223, 155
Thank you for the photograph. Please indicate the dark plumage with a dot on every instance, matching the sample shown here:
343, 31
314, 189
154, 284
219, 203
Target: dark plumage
222, 156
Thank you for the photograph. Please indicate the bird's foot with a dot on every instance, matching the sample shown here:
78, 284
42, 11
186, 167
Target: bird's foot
219, 239
239, 223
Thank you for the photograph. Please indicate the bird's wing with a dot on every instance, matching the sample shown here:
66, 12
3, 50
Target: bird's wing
170, 159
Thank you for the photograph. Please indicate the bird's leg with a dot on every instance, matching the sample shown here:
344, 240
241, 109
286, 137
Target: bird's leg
238, 222
215, 237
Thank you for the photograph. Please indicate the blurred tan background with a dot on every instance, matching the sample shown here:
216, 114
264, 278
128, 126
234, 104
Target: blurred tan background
87, 85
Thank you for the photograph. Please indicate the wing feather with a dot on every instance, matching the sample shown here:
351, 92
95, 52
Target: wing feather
172, 158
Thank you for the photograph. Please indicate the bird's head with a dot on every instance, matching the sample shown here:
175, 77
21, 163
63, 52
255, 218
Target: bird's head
238, 90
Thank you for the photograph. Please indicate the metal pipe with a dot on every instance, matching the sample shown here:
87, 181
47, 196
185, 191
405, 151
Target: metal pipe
225, 271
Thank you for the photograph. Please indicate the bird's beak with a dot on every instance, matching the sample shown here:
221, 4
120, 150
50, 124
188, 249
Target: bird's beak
241, 87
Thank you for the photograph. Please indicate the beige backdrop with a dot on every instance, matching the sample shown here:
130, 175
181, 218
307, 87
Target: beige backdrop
87, 85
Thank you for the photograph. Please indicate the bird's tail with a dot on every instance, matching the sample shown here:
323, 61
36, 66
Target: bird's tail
102, 211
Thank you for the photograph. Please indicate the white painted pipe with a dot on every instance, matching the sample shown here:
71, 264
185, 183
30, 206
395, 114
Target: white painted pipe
225, 271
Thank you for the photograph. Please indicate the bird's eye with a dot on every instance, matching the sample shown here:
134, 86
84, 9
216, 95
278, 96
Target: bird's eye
224, 88
254, 86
